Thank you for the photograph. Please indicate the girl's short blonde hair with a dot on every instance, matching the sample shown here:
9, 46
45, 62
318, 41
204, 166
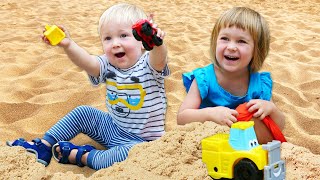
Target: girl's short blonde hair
121, 13
246, 19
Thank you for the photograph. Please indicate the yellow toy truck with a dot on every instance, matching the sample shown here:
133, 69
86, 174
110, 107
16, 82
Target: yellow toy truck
239, 156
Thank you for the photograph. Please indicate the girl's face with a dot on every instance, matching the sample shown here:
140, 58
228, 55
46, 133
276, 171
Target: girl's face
119, 44
234, 49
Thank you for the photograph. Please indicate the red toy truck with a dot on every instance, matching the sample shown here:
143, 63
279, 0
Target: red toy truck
143, 31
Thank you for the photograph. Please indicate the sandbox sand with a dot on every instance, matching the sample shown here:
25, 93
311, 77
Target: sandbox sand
39, 84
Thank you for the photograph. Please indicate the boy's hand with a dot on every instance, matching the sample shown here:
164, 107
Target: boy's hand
64, 43
161, 34
261, 108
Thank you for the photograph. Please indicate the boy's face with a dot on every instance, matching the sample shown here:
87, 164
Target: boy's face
119, 44
234, 49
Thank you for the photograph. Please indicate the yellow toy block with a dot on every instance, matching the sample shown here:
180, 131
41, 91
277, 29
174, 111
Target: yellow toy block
54, 34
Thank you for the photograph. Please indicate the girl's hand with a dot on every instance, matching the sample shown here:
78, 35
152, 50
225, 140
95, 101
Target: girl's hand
223, 115
64, 43
261, 108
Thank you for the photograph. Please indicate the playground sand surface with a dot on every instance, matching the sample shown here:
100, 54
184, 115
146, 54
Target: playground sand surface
39, 84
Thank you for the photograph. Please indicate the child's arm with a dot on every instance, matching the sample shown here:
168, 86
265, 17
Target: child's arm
78, 55
158, 55
190, 112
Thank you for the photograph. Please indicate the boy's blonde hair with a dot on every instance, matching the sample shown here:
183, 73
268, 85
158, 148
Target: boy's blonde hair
121, 13
246, 19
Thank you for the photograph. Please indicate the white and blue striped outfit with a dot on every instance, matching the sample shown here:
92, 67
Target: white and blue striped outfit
136, 103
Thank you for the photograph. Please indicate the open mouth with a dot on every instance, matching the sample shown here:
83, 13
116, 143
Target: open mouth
120, 55
231, 58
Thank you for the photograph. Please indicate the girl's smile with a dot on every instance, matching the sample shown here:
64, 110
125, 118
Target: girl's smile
231, 58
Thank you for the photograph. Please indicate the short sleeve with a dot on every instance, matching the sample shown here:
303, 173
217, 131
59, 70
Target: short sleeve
187, 79
266, 86
163, 74
103, 68
201, 79
157, 74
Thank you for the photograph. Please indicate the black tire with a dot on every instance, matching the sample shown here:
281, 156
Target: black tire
146, 46
146, 29
247, 170
136, 35
156, 40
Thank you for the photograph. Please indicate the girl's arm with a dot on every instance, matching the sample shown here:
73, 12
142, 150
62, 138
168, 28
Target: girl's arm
78, 55
277, 116
189, 110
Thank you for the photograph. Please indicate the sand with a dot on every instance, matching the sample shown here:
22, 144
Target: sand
39, 84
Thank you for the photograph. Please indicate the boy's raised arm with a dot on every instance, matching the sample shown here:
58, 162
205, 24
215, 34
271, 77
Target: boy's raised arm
77, 54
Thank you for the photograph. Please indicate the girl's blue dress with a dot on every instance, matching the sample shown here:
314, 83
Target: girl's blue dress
212, 94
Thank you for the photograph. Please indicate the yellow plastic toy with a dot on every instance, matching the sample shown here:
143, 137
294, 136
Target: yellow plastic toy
54, 34
239, 155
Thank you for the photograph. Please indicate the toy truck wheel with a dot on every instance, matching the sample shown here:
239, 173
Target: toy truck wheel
247, 170
156, 40
136, 35
146, 29
146, 46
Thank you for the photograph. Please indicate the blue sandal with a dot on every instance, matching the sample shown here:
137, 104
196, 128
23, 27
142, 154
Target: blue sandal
42, 151
65, 150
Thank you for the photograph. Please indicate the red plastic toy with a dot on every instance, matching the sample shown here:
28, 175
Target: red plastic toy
143, 31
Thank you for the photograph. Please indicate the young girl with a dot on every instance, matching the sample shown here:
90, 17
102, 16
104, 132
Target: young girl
135, 96
239, 45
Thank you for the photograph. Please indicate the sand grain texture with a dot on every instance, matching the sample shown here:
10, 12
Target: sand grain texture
39, 84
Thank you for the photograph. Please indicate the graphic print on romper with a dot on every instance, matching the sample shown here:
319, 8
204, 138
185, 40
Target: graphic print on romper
125, 97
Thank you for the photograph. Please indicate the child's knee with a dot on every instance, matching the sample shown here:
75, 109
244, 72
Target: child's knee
82, 108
